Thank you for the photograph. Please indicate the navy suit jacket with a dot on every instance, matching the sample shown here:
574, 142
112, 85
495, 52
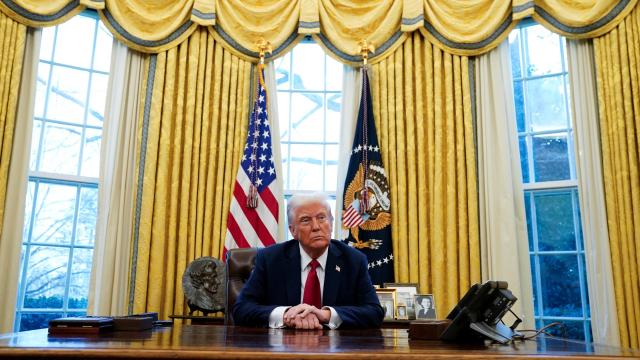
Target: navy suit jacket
276, 281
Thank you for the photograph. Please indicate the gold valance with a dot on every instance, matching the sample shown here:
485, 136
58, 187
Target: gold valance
461, 27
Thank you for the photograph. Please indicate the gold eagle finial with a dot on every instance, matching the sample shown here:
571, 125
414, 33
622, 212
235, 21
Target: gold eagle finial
264, 47
365, 49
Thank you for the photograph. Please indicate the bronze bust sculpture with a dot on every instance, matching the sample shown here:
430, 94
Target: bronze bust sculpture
203, 285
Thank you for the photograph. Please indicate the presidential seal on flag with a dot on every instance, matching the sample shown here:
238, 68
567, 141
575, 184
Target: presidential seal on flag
378, 214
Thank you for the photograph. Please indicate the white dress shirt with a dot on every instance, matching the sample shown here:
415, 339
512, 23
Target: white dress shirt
276, 318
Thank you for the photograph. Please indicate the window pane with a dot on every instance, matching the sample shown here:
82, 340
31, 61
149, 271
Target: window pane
61, 149
331, 168
46, 43
306, 57
551, 157
514, 48
67, 95
77, 33
284, 150
334, 107
536, 286
55, 208
555, 221
546, 104
42, 80
91, 153
518, 97
282, 66
31, 187
543, 55
528, 212
79, 283
104, 41
524, 159
97, 100
561, 290
86, 228
46, 277
306, 165
283, 115
306, 117
35, 144
334, 76
35, 321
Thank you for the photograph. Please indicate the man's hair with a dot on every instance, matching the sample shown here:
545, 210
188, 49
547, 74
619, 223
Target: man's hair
305, 199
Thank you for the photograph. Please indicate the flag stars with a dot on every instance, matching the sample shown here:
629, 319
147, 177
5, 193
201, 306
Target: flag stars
252, 157
250, 169
259, 110
261, 98
263, 158
376, 148
271, 159
254, 145
261, 170
258, 182
385, 260
271, 170
265, 134
264, 146
256, 133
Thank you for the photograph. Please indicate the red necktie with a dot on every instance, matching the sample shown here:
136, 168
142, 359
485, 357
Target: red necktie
312, 286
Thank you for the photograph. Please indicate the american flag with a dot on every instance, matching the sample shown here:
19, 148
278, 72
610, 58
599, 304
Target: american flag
253, 214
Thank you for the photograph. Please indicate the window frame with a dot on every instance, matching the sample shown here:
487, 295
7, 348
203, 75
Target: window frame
534, 187
38, 177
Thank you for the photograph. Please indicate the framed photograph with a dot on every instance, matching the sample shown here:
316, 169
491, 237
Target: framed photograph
387, 299
425, 307
405, 293
401, 312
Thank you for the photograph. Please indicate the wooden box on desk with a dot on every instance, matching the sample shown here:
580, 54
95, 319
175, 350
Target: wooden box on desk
427, 329
80, 325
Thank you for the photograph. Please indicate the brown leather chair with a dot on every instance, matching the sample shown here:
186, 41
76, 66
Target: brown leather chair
240, 263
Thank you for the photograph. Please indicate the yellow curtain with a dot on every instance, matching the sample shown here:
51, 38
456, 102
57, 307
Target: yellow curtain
469, 27
195, 111
12, 40
422, 106
618, 79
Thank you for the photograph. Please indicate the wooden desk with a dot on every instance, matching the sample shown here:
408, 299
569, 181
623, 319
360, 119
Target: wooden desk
212, 341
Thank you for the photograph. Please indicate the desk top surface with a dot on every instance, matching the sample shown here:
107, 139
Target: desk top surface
213, 341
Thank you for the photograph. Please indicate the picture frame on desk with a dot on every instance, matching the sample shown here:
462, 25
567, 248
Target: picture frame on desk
387, 298
401, 312
405, 293
425, 308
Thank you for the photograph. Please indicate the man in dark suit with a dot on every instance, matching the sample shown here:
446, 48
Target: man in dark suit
310, 281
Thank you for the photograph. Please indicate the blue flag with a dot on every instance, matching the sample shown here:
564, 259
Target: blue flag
366, 199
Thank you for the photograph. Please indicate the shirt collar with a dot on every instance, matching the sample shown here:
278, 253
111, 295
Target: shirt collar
305, 259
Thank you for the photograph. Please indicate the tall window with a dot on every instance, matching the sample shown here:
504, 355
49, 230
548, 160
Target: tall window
547, 160
62, 195
309, 103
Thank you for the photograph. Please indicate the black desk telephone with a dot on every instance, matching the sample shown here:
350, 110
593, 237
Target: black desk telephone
478, 314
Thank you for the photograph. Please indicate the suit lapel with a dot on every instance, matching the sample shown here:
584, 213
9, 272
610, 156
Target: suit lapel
332, 276
292, 274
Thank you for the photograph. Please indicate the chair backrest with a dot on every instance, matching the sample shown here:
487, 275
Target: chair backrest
240, 263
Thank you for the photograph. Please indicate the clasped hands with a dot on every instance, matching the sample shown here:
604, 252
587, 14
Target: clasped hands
304, 316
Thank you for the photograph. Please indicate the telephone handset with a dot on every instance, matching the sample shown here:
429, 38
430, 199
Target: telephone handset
477, 315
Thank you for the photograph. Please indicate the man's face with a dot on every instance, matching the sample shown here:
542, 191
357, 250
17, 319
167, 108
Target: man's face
312, 228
